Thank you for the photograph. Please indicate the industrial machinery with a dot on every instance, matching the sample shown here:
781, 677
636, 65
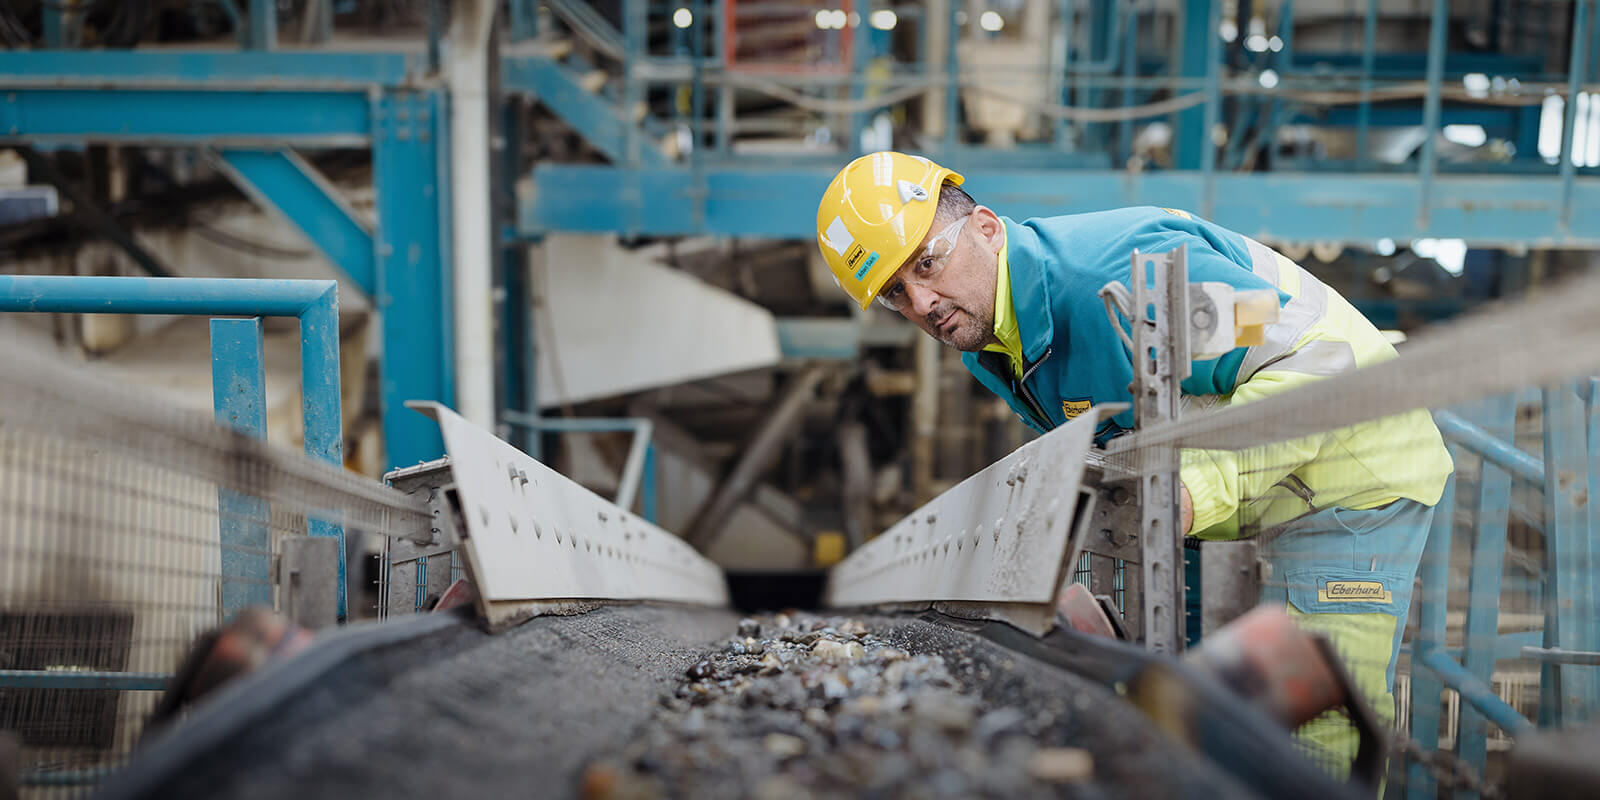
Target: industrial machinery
589, 625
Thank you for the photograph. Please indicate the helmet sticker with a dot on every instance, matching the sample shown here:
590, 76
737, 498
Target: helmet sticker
838, 236
861, 273
910, 191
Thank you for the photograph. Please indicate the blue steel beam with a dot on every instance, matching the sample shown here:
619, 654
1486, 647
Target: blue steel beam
414, 296
282, 180
179, 116
321, 408
1492, 503
1432, 597
239, 394
1482, 209
231, 69
262, 32
1496, 449
1568, 694
598, 121
1475, 692
1592, 415
199, 296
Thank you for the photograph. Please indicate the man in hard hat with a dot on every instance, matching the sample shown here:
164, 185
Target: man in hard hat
1342, 517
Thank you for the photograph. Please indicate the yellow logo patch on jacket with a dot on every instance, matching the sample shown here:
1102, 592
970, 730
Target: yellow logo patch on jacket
1072, 409
1354, 592
1176, 212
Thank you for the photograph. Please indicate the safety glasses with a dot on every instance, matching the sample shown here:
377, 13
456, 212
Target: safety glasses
924, 268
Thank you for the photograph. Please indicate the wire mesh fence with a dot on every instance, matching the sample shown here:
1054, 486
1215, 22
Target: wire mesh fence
127, 528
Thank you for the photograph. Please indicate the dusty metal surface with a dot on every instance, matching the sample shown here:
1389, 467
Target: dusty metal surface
533, 534
999, 536
455, 712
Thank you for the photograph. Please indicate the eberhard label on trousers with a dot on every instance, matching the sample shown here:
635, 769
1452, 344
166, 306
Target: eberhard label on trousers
1354, 592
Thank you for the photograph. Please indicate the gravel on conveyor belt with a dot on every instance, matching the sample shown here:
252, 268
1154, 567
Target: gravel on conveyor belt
803, 706
650, 701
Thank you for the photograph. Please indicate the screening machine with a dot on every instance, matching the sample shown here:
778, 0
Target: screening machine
956, 654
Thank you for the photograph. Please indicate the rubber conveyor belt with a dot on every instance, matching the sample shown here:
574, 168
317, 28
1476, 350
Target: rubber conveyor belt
431, 706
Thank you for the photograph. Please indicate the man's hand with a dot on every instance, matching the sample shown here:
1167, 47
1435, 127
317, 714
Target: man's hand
1186, 506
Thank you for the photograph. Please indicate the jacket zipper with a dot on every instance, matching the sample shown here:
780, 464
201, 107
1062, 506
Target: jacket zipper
1027, 395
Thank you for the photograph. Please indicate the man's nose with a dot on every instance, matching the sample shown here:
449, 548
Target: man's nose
923, 299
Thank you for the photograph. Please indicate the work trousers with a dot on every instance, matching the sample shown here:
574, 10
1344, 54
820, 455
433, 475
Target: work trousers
1348, 574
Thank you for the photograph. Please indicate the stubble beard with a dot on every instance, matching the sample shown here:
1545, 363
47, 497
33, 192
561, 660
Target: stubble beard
970, 335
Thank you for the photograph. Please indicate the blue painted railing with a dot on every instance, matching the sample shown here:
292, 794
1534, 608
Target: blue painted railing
1569, 685
239, 394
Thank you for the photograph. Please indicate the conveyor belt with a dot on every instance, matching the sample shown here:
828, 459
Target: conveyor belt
433, 707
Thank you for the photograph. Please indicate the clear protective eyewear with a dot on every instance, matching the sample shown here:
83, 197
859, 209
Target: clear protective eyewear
924, 268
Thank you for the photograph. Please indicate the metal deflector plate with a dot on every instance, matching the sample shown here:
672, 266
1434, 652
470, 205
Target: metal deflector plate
998, 536
533, 534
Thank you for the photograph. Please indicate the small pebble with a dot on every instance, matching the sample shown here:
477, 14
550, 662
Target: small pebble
829, 649
783, 745
1061, 764
702, 670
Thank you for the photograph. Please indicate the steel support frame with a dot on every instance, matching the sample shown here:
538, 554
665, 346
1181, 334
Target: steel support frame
1567, 692
238, 388
1160, 282
1491, 504
279, 180
255, 105
734, 200
1432, 598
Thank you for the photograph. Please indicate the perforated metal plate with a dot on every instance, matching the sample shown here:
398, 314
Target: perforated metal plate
999, 536
532, 534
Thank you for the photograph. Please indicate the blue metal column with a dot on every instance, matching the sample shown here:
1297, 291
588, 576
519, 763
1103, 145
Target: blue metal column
1192, 137
321, 407
262, 34
1369, 48
1567, 693
1433, 593
1593, 438
238, 388
1437, 44
413, 297
1492, 503
281, 180
1577, 66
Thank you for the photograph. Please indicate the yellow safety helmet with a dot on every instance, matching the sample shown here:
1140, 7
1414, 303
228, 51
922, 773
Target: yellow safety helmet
873, 217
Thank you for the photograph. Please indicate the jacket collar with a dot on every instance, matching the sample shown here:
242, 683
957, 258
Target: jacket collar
1030, 295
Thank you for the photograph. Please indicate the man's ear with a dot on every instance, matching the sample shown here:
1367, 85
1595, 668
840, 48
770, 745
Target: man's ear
989, 224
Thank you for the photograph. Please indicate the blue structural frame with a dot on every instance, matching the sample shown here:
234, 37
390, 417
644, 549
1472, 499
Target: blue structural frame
239, 397
253, 108
1569, 643
714, 191
238, 382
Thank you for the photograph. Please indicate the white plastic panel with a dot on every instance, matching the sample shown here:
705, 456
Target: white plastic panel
532, 534
617, 321
999, 536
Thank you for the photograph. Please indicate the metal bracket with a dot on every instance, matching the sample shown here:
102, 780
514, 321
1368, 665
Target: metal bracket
1160, 363
308, 581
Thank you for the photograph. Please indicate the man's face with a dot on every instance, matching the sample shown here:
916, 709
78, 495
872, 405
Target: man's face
956, 307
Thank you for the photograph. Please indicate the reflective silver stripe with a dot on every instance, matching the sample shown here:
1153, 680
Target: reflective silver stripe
1263, 260
1304, 309
1322, 357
